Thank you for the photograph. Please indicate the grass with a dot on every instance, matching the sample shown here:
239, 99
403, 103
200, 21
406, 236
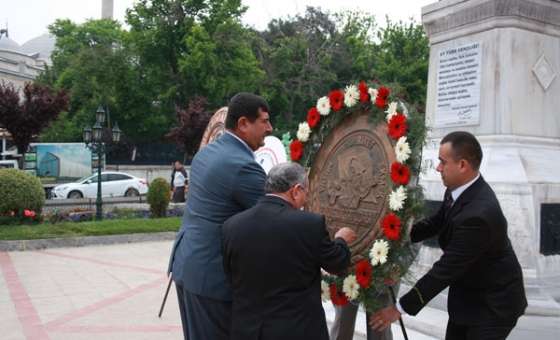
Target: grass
105, 227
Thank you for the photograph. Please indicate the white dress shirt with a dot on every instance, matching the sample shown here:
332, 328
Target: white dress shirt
242, 141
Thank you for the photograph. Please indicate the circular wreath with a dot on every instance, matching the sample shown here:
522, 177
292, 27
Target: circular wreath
389, 257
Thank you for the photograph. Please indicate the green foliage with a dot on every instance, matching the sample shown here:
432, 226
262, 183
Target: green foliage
158, 197
177, 51
20, 191
94, 228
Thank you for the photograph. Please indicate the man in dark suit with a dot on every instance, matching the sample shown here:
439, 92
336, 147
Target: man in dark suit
225, 179
273, 255
486, 292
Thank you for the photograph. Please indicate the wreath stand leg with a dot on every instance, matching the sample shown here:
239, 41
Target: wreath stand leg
400, 318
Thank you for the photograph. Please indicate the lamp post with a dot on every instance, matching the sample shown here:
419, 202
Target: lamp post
93, 137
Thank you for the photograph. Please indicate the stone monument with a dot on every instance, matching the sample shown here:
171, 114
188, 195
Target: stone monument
493, 71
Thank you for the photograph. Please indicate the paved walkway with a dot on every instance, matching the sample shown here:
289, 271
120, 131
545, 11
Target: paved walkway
95, 292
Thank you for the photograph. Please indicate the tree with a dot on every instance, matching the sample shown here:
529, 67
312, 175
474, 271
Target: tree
25, 119
191, 123
171, 37
92, 63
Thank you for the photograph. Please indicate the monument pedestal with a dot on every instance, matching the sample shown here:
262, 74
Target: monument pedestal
494, 72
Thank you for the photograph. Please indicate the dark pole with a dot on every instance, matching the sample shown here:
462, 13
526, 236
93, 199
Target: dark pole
394, 298
99, 202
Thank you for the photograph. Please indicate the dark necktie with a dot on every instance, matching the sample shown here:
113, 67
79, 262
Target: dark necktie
447, 202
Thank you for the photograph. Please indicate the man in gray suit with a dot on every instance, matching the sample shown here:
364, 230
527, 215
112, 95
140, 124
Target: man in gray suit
225, 180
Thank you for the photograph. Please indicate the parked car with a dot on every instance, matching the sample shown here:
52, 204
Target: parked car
113, 184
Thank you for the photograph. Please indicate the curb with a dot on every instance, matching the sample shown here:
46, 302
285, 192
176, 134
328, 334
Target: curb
23, 245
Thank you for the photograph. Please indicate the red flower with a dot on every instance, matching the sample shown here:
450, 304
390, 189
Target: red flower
391, 226
400, 173
380, 102
364, 94
397, 126
363, 273
313, 117
383, 92
29, 213
296, 150
338, 298
336, 97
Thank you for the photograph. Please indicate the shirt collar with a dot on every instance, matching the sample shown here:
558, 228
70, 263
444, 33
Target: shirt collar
242, 142
457, 192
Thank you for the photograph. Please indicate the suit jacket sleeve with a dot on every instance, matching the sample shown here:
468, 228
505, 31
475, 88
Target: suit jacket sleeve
334, 256
249, 185
427, 227
470, 240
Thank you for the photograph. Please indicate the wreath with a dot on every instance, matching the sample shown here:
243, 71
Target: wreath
390, 256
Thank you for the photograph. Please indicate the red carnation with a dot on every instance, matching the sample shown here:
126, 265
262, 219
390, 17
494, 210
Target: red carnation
313, 117
380, 102
296, 150
392, 226
28, 213
363, 273
338, 298
336, 98
364, 93
397, 126
383, 92
400, 173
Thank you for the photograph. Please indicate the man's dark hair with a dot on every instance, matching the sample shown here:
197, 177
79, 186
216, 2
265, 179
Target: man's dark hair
244, 105
464, 146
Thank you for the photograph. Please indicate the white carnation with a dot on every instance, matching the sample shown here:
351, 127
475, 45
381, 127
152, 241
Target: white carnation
303, 132
391, 110
325, 291
351, 95
397, 198
379, 252
404, 109
402, 150
350, 287
324, 106
372, 95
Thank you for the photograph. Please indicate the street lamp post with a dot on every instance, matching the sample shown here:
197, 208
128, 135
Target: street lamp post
93, 137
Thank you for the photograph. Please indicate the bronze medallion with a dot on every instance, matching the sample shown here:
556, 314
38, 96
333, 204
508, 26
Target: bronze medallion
348, 182
216, 127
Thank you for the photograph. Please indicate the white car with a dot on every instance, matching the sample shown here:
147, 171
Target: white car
113, 184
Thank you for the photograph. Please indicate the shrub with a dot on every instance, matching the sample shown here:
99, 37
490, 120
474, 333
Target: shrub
158, 197
22, 195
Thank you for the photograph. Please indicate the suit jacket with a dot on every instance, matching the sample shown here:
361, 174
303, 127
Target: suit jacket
478, 263
225, 179
273, 254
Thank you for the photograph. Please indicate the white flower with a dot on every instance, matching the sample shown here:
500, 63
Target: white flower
379, 252
402, 150
324, 106
350, 287
351, 95
404, 109
391, 111
325, 291
397, 198
303, 132
372, 95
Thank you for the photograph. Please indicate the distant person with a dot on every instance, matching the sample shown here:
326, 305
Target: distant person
178, 182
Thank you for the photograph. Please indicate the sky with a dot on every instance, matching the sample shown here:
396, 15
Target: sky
29, 18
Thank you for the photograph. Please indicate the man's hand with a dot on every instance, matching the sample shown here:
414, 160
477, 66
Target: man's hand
383, 318
346, 234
